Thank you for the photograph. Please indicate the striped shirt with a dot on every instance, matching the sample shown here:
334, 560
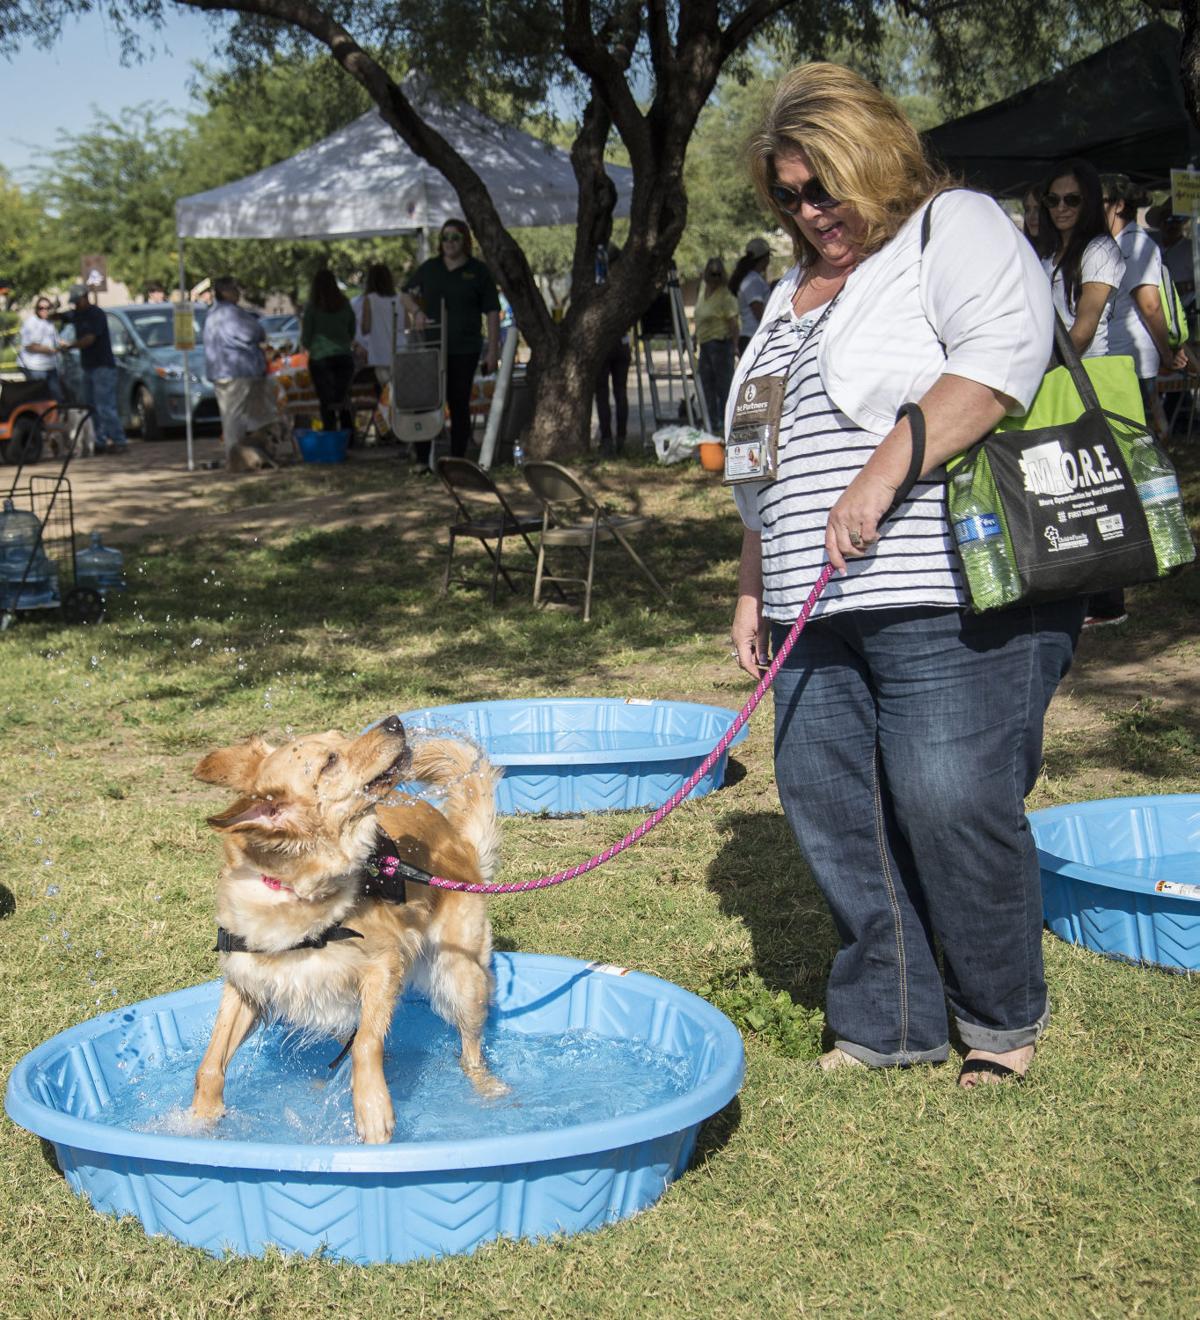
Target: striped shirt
820, 452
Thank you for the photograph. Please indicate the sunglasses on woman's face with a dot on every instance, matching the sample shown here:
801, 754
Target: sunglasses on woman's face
43, 307
451, 238
1062, 199
813, 192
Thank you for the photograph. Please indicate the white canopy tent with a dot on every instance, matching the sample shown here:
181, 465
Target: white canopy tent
364, 181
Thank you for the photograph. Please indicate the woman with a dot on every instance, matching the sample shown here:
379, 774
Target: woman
749, 286
456, 286
716, 320
1139, 326
38, 354
327, 332
381, 316
907, 729
1081, 259
1031, 205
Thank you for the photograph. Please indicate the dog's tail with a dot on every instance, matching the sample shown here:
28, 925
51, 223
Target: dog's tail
469, 780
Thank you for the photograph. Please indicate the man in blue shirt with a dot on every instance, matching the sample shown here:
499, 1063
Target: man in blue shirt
234, 362
99, 367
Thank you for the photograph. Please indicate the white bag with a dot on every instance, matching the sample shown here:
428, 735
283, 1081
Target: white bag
677, 444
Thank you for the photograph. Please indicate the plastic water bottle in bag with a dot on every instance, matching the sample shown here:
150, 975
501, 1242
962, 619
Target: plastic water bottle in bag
1158, 490
992, 575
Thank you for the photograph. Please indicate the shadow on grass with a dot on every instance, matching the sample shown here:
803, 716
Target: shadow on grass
716, 1133
8, 902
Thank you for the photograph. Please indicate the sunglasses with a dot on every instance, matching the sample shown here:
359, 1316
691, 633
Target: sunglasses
813, 192
1066, 199
452, 238
43, 307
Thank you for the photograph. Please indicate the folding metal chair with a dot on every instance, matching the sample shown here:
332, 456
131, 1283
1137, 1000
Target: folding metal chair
563, 496
492, 519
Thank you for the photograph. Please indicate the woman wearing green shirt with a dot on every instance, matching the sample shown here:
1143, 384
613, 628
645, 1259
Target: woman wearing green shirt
456, 285
327, 332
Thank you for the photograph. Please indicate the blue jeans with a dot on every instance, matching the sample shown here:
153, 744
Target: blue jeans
905, 741
100, 390
50, 376
716, 376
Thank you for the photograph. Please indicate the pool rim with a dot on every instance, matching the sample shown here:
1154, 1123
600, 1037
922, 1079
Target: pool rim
696, 748
685, 1111
1107, 875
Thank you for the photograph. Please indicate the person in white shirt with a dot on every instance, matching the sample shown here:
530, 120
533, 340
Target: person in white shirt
1083, 261
38, 354
1139, 326
749, 286
907, 728
381, 318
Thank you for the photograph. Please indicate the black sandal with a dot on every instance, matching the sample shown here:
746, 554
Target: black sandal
1000, 1071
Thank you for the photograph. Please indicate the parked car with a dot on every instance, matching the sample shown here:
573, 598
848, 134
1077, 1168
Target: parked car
283, 331
150, 370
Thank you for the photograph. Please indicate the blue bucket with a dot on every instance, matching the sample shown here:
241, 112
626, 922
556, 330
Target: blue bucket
323, 446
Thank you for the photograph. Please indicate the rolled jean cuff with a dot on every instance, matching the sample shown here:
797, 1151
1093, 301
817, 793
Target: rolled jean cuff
900, 1059
975, 1037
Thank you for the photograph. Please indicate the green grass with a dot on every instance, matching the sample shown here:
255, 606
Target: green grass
850, 1194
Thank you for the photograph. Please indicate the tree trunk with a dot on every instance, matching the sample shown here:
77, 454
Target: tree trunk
1189, 59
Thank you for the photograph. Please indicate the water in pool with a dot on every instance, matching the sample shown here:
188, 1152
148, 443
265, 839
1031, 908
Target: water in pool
280, 1089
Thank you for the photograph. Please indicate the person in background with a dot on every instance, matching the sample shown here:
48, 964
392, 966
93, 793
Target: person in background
234, 361
155, 293
1031, 204
1175, 244
615, 371
716, 321
907, 727
203, 293
748, 284
327, 333
381, 318
38, 353
458, 287
94, 345
1080, 256
1139, 326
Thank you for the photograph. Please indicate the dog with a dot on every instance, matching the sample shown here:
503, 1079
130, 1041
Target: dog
296, 841
58, 434
265, 447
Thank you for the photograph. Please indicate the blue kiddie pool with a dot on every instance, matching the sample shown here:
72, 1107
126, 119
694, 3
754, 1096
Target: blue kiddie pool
1122, 877
564, 756
611, 1074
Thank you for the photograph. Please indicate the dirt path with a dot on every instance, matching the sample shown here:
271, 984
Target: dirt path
150, 493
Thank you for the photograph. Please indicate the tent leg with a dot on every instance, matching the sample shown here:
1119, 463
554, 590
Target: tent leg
508, 356
187, 372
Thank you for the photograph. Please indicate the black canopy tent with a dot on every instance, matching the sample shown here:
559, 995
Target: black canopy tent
1121, 108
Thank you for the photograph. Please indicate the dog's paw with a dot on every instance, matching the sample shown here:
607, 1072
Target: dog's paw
375, 1120
487, 1084
206, 1112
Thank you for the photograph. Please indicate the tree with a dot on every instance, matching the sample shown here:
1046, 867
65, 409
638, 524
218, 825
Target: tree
610, 52
25, 263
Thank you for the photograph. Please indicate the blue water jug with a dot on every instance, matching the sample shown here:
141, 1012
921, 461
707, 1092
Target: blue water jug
100, 567
19, 531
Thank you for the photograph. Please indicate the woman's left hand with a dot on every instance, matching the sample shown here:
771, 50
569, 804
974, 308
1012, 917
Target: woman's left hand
853, 526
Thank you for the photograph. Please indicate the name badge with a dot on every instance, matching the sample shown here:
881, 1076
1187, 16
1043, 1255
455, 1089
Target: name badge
752, 446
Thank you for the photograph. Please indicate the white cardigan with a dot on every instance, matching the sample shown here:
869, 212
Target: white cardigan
976, 304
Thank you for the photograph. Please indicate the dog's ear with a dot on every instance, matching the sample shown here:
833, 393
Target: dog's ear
234, 767
251, 814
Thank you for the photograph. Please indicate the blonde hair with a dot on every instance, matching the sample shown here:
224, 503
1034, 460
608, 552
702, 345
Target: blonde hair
858, 143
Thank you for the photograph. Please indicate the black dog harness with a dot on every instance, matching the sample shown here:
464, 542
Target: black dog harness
385, 877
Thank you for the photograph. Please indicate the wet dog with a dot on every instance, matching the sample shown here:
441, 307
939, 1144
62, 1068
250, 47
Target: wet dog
306, 946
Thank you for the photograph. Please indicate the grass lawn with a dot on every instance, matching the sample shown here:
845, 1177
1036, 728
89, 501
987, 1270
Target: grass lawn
856, 1193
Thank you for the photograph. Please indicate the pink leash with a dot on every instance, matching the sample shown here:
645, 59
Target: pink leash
545, 881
